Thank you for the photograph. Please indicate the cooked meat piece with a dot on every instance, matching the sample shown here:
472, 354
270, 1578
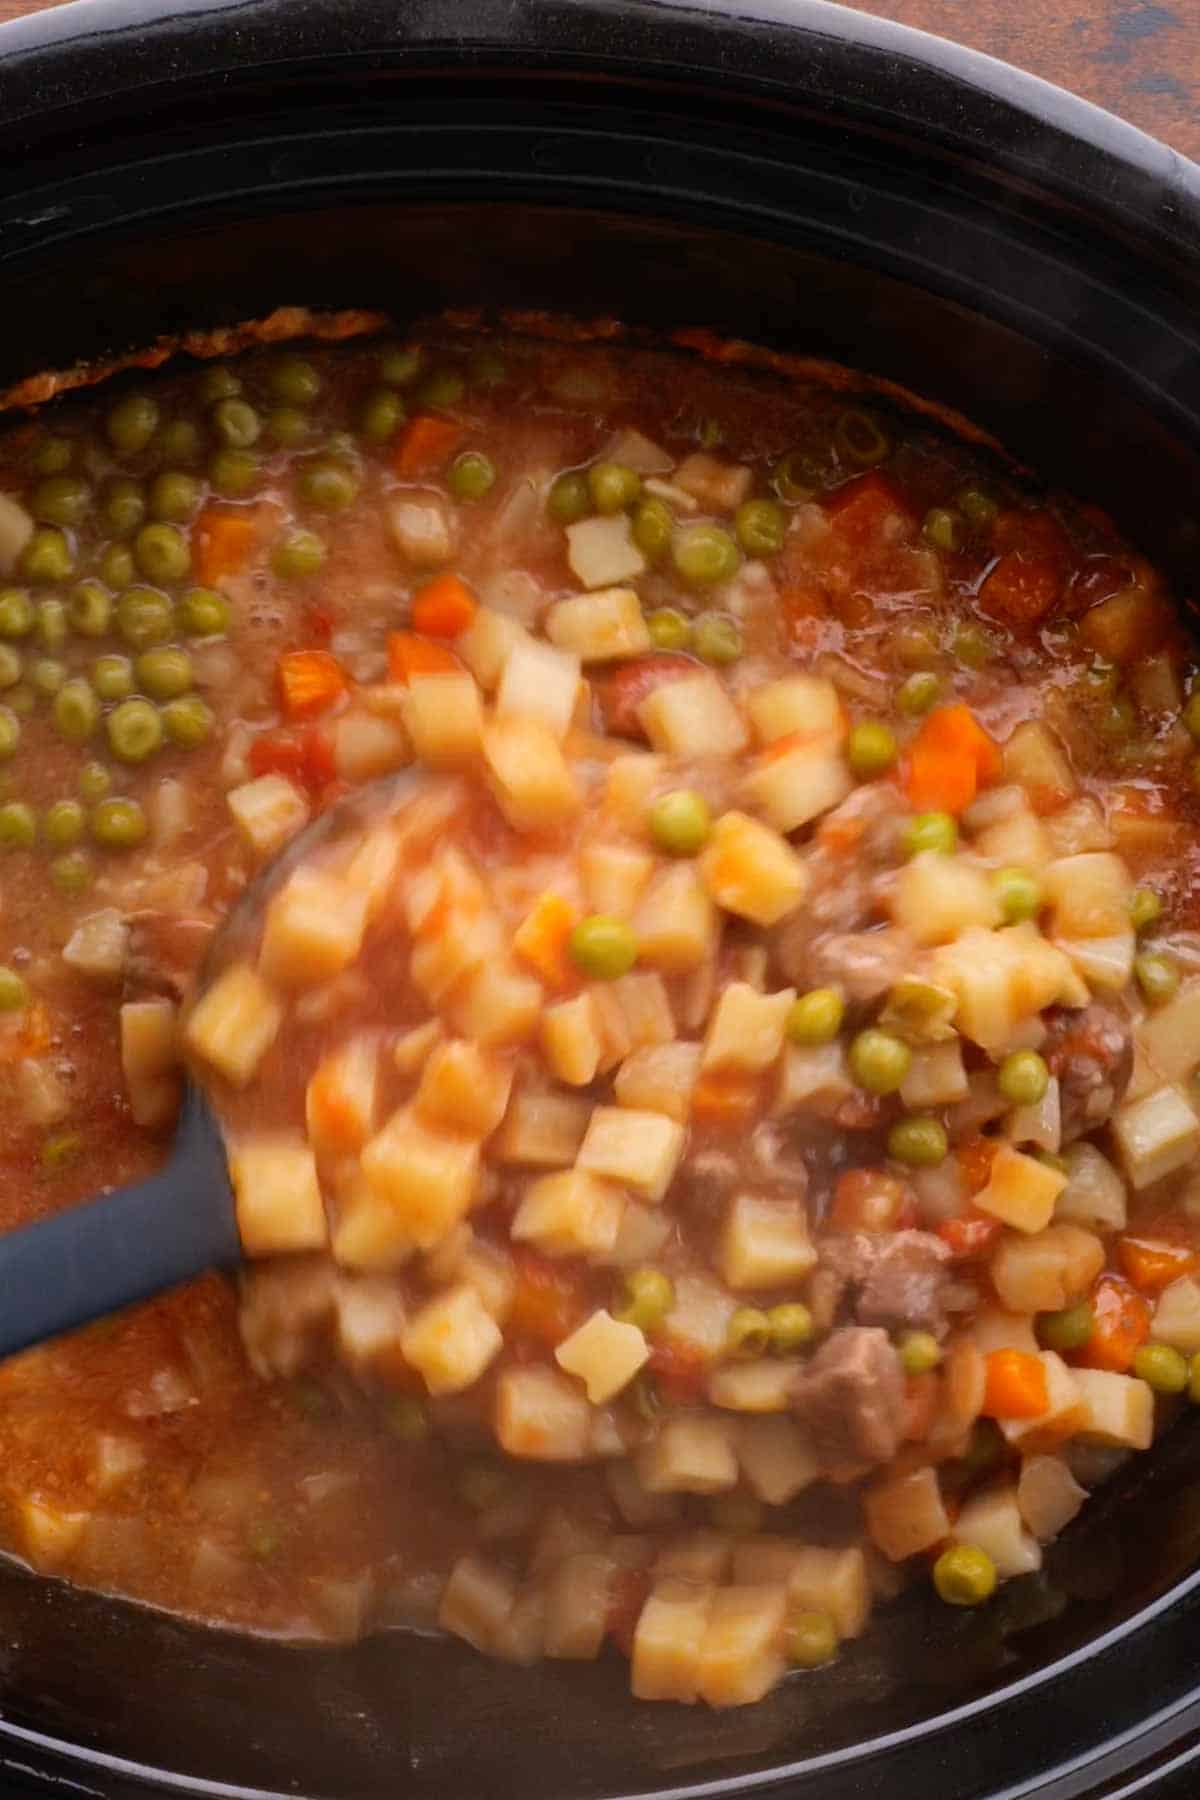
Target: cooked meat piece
865, 964
851, 1397
775, 1155
165, 950
1091, 1053
842, 890
899, 1278
709, 1179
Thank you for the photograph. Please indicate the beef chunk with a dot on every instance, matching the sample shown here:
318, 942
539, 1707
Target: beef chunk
165, 951
850, 1397
898, 1278
1091, 1053
865, 964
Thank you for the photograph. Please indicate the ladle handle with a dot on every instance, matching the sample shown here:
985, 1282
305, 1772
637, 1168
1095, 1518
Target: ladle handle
125, 1246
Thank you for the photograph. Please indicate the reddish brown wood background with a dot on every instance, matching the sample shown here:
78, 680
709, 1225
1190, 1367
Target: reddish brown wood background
1140, 58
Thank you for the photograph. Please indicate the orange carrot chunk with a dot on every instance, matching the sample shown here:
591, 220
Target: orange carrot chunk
727, 1101
410, 655
1152, 1265
222, 543
541, 939
950, 759
443, 608
310, 681
424, 445
1015, 1385
1121, 1324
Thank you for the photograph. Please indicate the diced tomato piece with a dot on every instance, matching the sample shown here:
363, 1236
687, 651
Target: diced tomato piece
548, 1302
622, 692
1122, 1323
318, 624
310, 682
305, 757
870, 513
975, 1157
1022, 589
679, 1368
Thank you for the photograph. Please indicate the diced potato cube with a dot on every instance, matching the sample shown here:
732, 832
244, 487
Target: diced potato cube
936, 897
816, 1579
612, 1030
314, 929
422, 528
693, 716
1177, 1315
764, 1385
98, 946
741, 1657
995, 1329
569, 1214
477, 1602
777, 1460
641, 1150
570, 1037
605, 1353
811, 1075
1118, 1409
49, 1532
793, 782
373, 869
1105, 964
1001, 978
693, 1453
1094, 1194
799, 704
578, 1598
701, 1314
905, 1513
487, 643
16, 529
1064, 1414
745, 1032
339, 1102
1048, 1495
668, 1641
149, 1040
542, 1416
1035, 760
539, 682
992, 1522
1018, 842
267, 812
464, 1089
1048, 1271
1170, 1036
442, 958
1089, 894
428, 1177
936, 1077
765, 1243
444, 719
234, 1024
717, 485
1021, 1191
451, 1340
542, 1130
675, 922
369, 1233
496, 1004
645, 1007
365, 746
277, 1196
659, 1078
370, 1315
700, 1556
529, 776
614, 876
641, 1237
1156, 1135
599, 626
601, 552
630, 785
752, 871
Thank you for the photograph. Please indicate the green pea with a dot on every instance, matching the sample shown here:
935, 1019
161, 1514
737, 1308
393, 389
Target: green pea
233, 472
796, 476
294, 380
179, 441
812, 1640
441, 388
1191, 713
162, 553
760, 527
203, 612
188, 721
407, 1418
472, 475
164, 673
870, 749
299, 554
977, 507
570, 498
62, 824
76, 711
815, 1017
18, 821
144, 617
123, 506
51, 455
964, 1576
62, 500
792, 1327
716, 638
90, 609
669, 629
653, 524
112, 677
22, 700
10, 733
174, 496
326, 485
118, 824
131, 424
53, 627
647, 1297
217, 383
400, 364
878, 1061
603, 948
919, 1352
942, 528
1157, 976
861, 439
14, 995
934, 831
94, 782
116, 566
17, 614
47, 675
71, 873
1145, 908
918, 693
135, 730
381, 416
1023, 1078
680, 822
288, 426
1019, 893
748, 1333
47, 557
613, 486
1068, 1329
11, 666
919, 1141
704, 555
1161, 1367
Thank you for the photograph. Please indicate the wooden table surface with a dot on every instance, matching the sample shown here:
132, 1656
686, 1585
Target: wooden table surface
1139, 58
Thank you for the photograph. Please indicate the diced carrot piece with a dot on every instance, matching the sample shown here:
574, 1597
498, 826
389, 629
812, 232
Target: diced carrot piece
622, 692
1152, 1265
222, 543
680, 1369
548, 1300
1122, 1323
869, 512
950, 759
975, 1157
1015, 1385
305, 757
424, 445
1021, 589
444, 607
729, 1101
868, 1200
541, 939
410, 655
969, 1236
310, 681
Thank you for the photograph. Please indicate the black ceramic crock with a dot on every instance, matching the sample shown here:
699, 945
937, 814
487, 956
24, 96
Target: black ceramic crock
791, 173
